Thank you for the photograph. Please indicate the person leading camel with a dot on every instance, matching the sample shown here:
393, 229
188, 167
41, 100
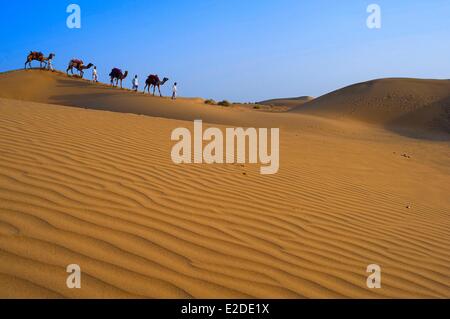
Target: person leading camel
50, 62
174, 91
135, 83
94, 75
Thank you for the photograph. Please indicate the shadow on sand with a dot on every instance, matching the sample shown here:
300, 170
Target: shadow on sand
418, 124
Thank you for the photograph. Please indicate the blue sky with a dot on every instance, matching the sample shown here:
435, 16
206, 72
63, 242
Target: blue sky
241, 50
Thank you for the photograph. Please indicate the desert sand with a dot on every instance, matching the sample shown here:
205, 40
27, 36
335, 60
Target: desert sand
86, 177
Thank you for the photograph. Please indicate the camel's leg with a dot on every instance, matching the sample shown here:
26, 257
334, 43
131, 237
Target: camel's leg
145, 87
159, 89
154, 90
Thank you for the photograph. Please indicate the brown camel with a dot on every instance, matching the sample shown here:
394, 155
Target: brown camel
79, 66
38, 56
153, 80
116, 74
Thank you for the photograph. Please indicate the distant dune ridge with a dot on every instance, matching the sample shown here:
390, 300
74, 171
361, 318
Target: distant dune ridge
289, 102
86, 178
409, 103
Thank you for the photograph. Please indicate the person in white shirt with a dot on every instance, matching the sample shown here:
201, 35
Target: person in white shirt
94, 75
50, 63
174, 91
135, 83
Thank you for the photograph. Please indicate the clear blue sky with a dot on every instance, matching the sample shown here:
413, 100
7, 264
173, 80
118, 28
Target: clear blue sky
242, 50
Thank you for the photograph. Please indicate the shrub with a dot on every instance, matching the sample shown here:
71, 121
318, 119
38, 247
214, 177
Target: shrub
210, 102
224, 103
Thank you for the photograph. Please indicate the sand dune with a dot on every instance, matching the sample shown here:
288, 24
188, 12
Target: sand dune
417, 105
288, 102
99, 189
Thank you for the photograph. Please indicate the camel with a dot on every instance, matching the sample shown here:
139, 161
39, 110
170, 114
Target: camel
153, 80
79, 66
38, 56
116, 74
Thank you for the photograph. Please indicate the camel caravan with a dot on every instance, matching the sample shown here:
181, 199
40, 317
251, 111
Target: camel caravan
116, 74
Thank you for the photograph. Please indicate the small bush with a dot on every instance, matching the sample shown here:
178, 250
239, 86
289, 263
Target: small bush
210, 102
257, 107
224, 103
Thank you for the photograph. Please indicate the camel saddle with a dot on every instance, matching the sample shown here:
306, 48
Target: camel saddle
154, 77
116, 71
36, 54
77, 61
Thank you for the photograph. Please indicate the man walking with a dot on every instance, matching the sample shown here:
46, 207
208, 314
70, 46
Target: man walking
94, 75
135, 83
174, 91
50, 63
